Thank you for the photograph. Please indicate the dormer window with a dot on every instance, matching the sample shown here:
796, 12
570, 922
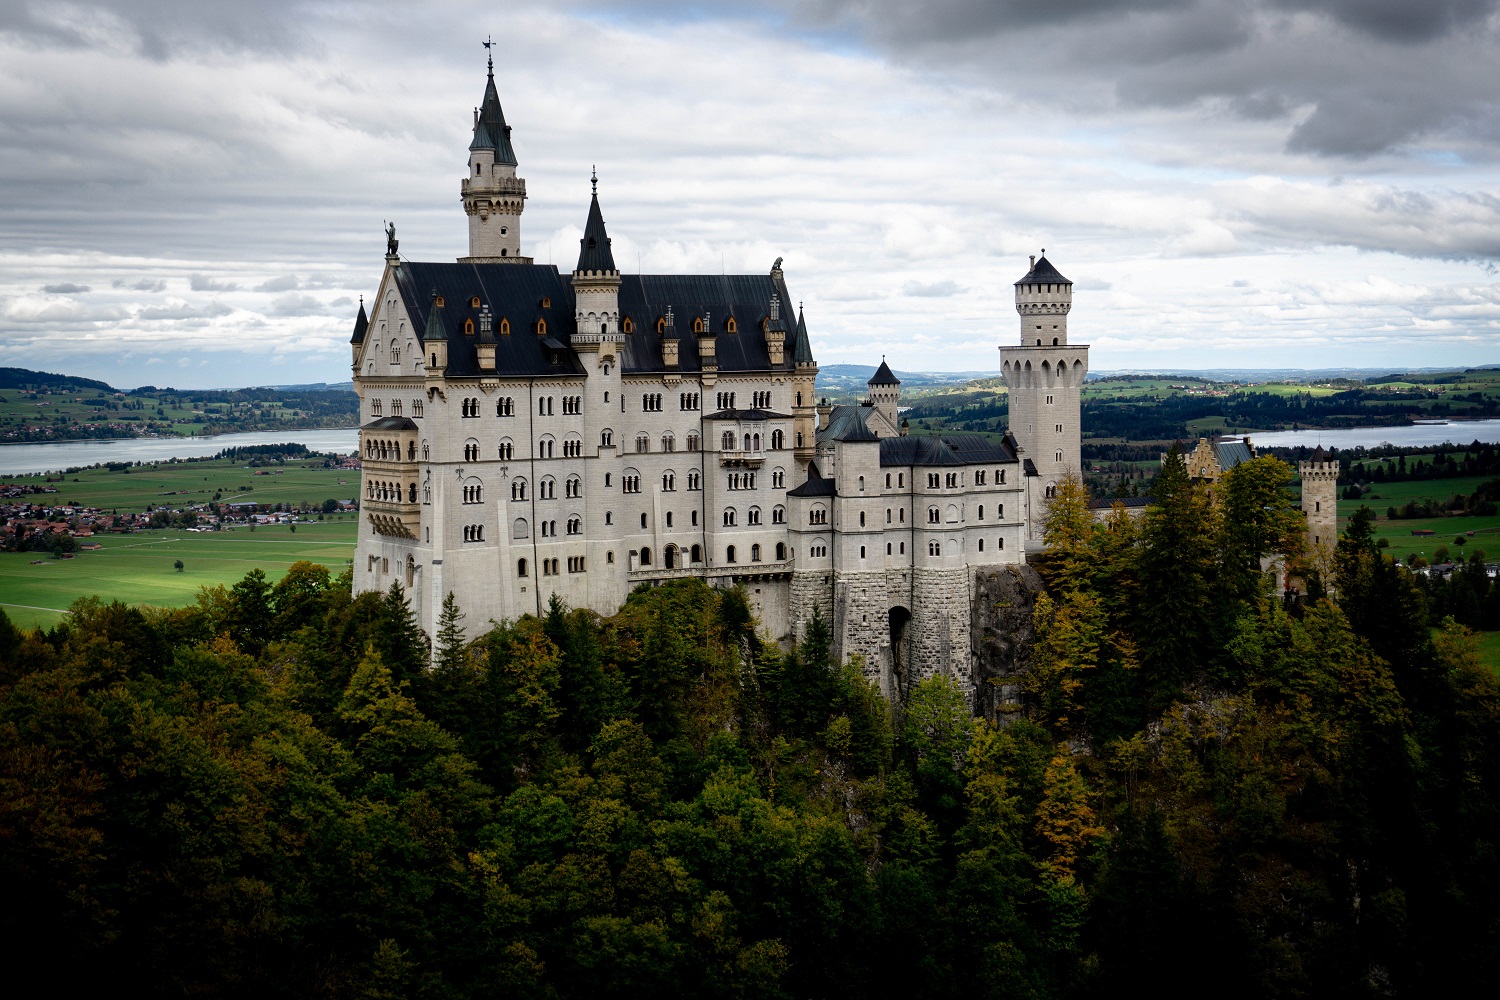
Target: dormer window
661, 324
504, 327
474, 302
469, 327
439, 302
730, 326
627, 326
698, 325
546, 302
541, 327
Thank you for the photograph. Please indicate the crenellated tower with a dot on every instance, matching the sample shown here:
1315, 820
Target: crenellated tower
1320, 480
1044, 376
493, 195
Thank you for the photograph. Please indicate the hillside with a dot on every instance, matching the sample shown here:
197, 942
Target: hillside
25, 378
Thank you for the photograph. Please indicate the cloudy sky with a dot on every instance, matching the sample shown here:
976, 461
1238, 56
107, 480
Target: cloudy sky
192, 191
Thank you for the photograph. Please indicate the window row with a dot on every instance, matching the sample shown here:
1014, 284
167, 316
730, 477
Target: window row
377, 407
388, 451
389, 492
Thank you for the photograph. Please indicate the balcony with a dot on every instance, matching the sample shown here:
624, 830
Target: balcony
393, 518
742, 459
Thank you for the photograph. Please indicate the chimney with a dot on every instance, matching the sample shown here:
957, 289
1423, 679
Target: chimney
824, 413
669, 343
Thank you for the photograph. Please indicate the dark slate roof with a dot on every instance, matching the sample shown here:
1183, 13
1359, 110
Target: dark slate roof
390, 424
516, 291
856, 431
883, 375
435, 329
842, 420
756, 414
801, 345
1042, 272
593, 250
1030, 467
491, 132
513, 292
1232, 453
815, 486
943, 449
644, 299
1105, 503
1317, 456
361, 324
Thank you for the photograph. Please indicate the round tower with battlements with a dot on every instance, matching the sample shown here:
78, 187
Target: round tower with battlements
1044, 376
1320, 482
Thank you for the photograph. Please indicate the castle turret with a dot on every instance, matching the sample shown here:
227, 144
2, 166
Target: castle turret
1320, 479
435, 338
805, 415
361, 324
884, 393
1044, 376
596, 284
493, 195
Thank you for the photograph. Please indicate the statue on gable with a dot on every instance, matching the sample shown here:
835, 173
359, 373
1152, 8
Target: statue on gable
391, 243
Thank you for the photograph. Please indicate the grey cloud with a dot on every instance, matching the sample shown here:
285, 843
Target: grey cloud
284, 283
1357, 78
159, 29
182, 312
143, 285
297, 305
203, 283
933, 290
65, 288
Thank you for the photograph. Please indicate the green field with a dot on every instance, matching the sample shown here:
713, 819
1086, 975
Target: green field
185, 483
138, 568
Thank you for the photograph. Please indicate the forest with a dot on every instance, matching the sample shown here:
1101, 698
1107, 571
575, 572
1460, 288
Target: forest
1209, 784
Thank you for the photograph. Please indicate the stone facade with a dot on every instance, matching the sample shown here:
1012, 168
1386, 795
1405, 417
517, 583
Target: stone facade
527, 433
1320, 496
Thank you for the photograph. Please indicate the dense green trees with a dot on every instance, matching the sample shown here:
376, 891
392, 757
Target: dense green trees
282, 790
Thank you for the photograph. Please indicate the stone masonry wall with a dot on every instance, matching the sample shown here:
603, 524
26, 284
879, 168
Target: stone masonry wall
939, 627
1002, 635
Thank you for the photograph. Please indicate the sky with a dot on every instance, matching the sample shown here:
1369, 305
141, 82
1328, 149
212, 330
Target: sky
193, 192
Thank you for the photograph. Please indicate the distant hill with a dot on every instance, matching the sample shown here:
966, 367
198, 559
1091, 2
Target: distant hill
842, 379
25, 378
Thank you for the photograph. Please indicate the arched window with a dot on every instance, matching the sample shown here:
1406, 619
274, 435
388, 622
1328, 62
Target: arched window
778, 514
520, 529
780, 551
861, 519
520, 567
728, 441
696, 554
469, 327
692, 441
645, 557
728, 517
730, 326
777, 440
755, 553
752, 516
729, 554
606, 438
981, 512
518, 489
643, 442
668, 442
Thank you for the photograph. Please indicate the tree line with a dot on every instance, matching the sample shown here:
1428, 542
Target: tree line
284, 789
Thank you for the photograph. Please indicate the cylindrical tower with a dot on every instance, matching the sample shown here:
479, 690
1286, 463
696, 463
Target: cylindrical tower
492, 194
1044, 375
1320, 496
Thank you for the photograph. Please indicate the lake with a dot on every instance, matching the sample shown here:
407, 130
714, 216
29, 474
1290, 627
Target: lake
1418, 435
22, 459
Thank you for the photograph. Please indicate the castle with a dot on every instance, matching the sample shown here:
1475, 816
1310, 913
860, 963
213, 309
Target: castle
527, 433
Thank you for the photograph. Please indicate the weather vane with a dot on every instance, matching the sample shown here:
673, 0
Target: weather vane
488, 41
594, 178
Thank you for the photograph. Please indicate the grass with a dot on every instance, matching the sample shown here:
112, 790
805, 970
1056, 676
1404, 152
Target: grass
184, 483
138, 568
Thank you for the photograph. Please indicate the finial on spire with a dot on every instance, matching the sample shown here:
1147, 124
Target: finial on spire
491, 56
594, 178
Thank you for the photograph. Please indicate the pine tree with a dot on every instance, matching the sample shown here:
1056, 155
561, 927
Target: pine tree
1069, 532
452, 645
400, 641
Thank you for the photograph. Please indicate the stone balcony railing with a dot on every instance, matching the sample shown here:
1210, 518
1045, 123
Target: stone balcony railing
749, 459
396, 518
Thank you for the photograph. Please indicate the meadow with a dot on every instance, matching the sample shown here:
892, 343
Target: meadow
174, 484
139, 568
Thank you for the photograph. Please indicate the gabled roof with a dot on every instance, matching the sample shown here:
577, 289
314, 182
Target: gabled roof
1232, 453
1042, 272
361, 324
883, 375
842, 420
593, 250
756, 414
491, 132
943, 449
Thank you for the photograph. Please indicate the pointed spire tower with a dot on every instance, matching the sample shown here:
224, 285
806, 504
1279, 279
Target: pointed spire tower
361, 324
596, 284
493, 195
884, 391
804, 385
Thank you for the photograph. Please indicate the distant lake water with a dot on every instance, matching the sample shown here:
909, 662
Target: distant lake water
1415, 436
24, 459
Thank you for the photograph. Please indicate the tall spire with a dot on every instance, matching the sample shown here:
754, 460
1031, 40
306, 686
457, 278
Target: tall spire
361, 324
801, 346
593, 250
490, 131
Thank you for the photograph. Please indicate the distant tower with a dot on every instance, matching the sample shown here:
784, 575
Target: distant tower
884, 390
1044, 376
1320, 479
493, 195
596, 284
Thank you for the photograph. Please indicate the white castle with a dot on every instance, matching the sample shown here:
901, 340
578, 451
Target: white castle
527, 433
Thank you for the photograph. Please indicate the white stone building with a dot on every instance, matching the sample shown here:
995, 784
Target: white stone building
527, 433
